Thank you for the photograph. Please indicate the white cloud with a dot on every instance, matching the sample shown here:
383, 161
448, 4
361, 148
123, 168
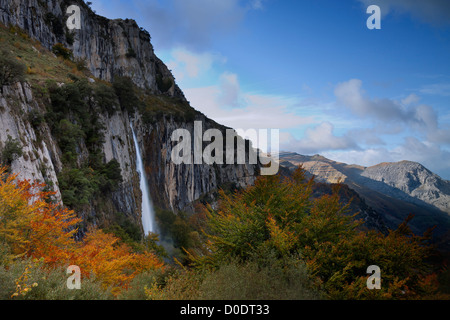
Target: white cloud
257, 4
388, 112
227, 104
318, 139
428, 154
411, 99
186, 64
351, 95
230, 90
367, 157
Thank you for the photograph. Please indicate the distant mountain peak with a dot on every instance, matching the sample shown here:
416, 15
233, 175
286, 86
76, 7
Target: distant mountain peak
404, 180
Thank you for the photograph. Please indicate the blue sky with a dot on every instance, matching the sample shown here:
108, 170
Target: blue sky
313, 70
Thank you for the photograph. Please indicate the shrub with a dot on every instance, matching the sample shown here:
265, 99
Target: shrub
35, 118
163, 83
260, 278
131, 53
69, 135
11, 151
38, 282
11, 70
110, 175
125, 91
106, 98
77, 186
70, 37
174, 227
81, 64
56, 23
32, 227
61, 51
275, 279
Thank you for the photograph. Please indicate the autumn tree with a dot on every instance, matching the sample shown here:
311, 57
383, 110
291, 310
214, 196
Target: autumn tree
33, 227
279, 214
30, 224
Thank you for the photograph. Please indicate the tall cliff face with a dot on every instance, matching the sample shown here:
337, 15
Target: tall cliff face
110, 47
104, 45
185, 183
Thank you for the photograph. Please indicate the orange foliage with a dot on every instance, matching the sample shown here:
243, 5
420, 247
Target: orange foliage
30, 225
112, 263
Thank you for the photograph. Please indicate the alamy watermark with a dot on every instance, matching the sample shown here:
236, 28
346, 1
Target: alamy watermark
374, 281
231, 150
74, 20
374, 21
74, 281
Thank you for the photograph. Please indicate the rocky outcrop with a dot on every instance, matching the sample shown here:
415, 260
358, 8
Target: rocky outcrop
109, 47
409, 181
39, 159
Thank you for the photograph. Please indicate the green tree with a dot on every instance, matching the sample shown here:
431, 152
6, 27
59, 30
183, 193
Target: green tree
11, 70
277, 214
11, 151
125, 91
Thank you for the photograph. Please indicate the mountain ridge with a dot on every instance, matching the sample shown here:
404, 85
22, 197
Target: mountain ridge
394, 189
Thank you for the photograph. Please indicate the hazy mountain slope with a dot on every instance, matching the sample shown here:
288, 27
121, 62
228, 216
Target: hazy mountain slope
392, 189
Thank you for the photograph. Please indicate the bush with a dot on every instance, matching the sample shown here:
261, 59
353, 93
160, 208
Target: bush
110, 175
106, 98
70, 37
35, 118
38, 282
81, 64
137, 288
77, 186
11, 151
174, 228
164, 84
260, 278
286, 279
125, 91
61, 51
11, 70
131, 53
69, 136
32, 227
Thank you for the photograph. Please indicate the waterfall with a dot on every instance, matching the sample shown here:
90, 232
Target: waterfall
148, 215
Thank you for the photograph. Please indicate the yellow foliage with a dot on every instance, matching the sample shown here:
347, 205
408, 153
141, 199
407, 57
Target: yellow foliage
32, 226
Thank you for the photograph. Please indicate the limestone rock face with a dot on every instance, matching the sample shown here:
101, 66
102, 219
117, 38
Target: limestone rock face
414, 180
40, 157
182, 184
111, 48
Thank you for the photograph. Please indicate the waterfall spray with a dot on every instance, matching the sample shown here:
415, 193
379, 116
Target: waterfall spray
148, 215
